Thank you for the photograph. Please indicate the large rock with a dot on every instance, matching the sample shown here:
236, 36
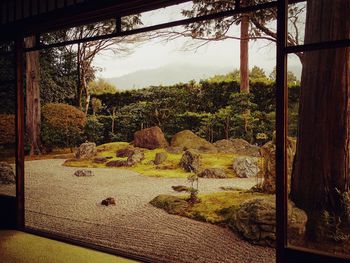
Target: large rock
237, 146
187, 140
86, 150
191, 161
7, 176
160, 158
245, 167
150, 138
255, 220
268, 152
213, 173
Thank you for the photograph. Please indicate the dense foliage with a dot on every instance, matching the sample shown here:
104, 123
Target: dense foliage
213, 109
62, 125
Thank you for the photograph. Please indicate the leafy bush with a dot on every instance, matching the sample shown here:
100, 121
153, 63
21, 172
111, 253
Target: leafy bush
94, 130
7, 129
62, 125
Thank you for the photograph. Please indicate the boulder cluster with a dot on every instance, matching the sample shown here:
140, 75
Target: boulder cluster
250, 161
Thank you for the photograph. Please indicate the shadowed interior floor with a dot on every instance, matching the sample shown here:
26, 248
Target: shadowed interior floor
19, 247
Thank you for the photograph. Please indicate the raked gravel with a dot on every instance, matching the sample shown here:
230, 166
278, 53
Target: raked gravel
56, 201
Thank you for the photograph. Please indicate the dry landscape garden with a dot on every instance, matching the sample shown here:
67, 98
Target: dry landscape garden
183, 172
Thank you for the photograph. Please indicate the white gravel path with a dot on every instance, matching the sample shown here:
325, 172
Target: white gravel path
58, 202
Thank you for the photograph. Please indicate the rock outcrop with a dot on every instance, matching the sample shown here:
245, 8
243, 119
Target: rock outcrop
245, 166
86, 150
255, 220
191, 161
268, 152
150, 138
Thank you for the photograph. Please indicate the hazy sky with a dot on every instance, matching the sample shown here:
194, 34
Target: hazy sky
156, 53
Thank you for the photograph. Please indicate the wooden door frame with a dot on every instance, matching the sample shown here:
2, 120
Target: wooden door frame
284, 253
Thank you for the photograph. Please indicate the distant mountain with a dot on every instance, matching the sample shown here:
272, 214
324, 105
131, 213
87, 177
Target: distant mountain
174, 73
166, 75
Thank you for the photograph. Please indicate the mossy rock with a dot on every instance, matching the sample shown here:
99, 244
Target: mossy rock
255, 220
188, 140
171, 204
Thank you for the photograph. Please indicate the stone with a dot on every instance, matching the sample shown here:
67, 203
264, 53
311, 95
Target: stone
237, 146
125, 152
108, 201
135, 158
7, 176
174, 150
150, 138
100, 159
187, 140
83, 173
86, 150
268, 152
213, 173
191, 161
255, 220
245, 167
180, 188
117, 163
160, 158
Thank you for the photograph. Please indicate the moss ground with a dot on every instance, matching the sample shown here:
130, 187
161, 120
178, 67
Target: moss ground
214, 208
169, 168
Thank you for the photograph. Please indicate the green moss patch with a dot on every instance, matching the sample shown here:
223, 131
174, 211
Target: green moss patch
170, 168
216, 208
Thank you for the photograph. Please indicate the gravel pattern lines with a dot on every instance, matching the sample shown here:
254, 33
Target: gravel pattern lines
58, 202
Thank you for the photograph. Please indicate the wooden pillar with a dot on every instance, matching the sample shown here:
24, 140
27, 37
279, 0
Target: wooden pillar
281, 133
19, 132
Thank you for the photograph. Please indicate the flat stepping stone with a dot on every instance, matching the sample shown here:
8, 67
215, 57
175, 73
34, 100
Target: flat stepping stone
83, 173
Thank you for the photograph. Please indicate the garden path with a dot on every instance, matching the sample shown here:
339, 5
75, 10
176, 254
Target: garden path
58, 202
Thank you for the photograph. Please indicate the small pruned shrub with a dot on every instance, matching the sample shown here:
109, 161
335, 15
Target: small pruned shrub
62, 125
7, 129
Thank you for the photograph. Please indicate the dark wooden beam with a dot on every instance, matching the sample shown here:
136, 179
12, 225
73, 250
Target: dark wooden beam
281, 132
19, 132
247, 9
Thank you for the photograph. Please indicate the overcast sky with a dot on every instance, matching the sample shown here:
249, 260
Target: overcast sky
156, 53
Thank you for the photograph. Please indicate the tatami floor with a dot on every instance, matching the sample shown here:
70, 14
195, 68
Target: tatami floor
19, 247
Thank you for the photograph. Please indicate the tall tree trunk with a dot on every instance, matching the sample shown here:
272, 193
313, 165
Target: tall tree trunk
244, 57
321, 165
33, 111
79, 91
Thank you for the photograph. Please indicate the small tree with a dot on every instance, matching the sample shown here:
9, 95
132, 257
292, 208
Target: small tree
62, 126
96, 105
